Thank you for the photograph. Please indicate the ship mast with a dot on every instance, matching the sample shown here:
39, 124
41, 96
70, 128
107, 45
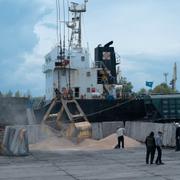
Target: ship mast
75, 24
61, 37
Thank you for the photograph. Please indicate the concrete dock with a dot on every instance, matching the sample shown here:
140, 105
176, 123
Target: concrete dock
115, 164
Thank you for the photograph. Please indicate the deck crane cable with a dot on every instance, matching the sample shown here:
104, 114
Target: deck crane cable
59, 21
57, 27
64, 39
84, 30
68, 56
63, 45
68, 22
59, 56
110, 108
58, 40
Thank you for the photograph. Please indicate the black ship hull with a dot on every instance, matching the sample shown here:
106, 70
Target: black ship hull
98, 110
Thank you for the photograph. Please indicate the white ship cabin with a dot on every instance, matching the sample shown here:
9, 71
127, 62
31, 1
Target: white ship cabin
72, 69
82, 77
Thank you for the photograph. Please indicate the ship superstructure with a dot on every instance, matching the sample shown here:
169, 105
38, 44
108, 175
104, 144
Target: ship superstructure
69, 68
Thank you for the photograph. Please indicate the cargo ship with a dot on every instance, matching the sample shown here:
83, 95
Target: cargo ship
94, 84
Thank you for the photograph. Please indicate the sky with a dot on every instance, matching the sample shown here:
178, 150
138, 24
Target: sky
146, 34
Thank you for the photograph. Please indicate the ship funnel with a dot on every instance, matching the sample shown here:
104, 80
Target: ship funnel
108, 44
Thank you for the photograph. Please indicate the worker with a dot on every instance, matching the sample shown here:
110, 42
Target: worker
65, 93
58, 93
104, 75
150, 147
177, 136
158, 141
120, 137
70, 93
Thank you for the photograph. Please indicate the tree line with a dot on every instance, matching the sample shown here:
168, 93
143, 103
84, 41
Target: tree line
162, 88
36, 101
16, 94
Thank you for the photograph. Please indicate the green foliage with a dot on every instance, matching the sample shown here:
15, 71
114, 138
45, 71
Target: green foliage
163, 88
28, 94
37, 101
17, 94
127, 86
9, 94
142, 91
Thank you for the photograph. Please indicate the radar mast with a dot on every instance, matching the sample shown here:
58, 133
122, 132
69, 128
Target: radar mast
75, 24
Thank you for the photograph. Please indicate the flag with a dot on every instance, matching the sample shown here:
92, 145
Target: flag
149, 84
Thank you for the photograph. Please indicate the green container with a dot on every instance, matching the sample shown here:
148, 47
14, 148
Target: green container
168, 106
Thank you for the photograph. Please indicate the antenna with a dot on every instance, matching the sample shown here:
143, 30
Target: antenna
175, 72
165, 76
175, 75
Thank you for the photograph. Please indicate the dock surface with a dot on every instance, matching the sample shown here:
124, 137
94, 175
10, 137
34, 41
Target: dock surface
115, 164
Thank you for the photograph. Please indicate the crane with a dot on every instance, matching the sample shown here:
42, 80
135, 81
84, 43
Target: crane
174, 79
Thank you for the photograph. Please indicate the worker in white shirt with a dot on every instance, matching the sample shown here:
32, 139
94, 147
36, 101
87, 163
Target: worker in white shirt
120, 136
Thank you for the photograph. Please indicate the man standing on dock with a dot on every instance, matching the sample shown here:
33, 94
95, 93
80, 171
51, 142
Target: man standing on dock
150, 147
120, 136
158, 140
177, 136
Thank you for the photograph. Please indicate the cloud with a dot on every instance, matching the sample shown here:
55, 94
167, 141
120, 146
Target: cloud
25, 42
31, 68
136, 26
145, 34
144, 67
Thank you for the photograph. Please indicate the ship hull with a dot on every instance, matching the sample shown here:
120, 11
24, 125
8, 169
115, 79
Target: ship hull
98, 110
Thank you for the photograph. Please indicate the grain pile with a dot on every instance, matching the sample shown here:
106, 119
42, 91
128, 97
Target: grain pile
61, 143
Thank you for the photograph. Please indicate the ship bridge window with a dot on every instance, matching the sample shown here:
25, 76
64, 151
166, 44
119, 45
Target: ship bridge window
82, 58
76, 94
88, 74
88, 90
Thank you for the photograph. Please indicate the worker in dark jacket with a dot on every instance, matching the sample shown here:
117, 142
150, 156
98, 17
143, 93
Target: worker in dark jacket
177, 137
150, 147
